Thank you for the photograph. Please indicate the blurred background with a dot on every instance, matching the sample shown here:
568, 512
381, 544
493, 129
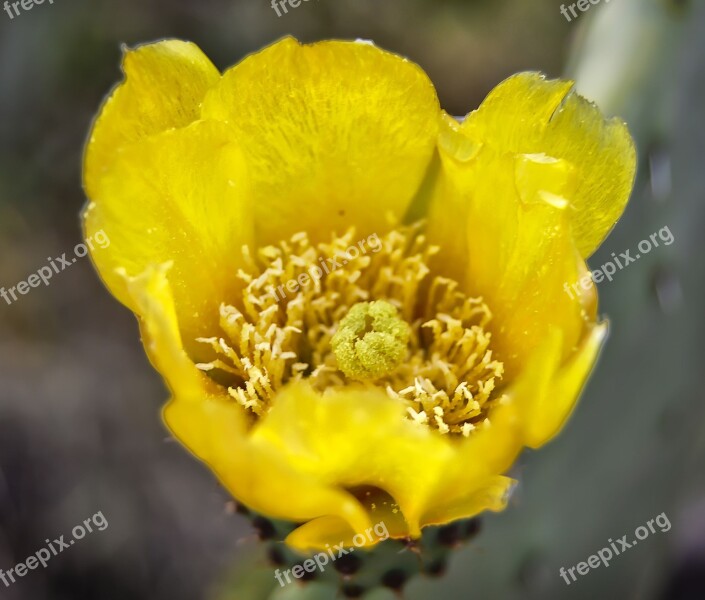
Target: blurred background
80, 428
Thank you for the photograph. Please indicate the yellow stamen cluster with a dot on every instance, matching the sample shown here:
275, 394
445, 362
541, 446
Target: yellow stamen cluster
377, 315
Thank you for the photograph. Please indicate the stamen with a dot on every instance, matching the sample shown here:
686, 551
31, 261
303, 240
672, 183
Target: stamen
378, 315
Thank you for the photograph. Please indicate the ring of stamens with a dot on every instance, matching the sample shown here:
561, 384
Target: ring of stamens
280, 331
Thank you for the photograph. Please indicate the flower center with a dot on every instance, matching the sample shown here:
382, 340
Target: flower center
371, 341
346, 312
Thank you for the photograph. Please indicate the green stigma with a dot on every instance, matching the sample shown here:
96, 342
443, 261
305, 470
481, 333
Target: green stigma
371, 340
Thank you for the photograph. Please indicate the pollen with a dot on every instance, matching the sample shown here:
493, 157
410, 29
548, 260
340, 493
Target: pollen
345, 312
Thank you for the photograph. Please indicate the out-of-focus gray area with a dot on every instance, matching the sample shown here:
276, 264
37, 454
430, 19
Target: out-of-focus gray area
80, 428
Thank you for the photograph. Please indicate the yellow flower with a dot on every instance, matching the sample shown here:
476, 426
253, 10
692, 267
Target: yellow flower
395, 383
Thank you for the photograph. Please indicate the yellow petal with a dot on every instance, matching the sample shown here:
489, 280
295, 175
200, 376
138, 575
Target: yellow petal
358, 439
192, 391
152, 296
521, 257
547, 390
318, 533
526, 114
472, 482
254, 472
336, 134
177, 196
533, 267
164, 85
355, 437
491, 495
548, 410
